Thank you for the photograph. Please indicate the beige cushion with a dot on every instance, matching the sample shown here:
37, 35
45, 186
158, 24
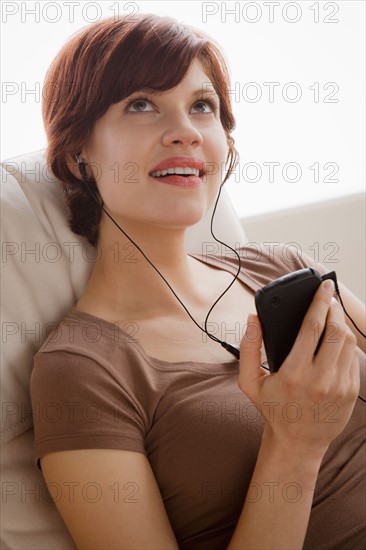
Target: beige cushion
45, 267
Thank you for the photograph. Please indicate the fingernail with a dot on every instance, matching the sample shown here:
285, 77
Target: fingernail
251, 332
329, 286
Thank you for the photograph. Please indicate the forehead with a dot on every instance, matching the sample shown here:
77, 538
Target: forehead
196, 71
197, 76
196, 79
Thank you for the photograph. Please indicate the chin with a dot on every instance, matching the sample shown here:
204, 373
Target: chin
183, 216
178, 223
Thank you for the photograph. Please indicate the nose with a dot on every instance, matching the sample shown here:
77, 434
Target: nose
181, 131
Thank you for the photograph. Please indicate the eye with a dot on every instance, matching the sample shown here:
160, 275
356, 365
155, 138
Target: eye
205, 105
139, 105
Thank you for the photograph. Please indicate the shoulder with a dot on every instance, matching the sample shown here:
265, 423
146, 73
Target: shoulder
273, 256
260, 263
90, 360
82, 338
89, 391
267, 261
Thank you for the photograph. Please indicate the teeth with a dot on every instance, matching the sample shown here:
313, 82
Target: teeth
177, 170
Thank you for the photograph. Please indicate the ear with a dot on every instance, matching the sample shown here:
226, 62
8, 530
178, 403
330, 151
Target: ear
73, 165
232, 157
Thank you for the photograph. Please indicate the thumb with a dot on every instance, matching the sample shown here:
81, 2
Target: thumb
250, 353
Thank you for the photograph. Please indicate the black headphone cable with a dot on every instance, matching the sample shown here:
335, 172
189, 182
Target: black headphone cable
234, 350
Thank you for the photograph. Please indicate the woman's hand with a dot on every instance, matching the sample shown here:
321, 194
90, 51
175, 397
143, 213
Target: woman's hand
309, 401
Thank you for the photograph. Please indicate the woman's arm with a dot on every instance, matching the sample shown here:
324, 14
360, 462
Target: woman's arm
109, 499
296, 435
278, 504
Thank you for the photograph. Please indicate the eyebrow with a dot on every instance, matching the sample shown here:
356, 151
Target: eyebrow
209, 89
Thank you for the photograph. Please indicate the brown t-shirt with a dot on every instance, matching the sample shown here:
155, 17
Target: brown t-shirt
93, 386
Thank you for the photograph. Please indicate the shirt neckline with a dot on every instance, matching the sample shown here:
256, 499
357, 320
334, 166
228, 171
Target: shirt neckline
174, 365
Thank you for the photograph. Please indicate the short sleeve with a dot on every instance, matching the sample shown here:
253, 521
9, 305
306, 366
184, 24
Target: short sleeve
78, 403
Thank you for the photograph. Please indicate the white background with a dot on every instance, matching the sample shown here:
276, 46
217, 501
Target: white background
319, 46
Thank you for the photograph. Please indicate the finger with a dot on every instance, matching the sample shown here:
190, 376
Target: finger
250, 353
336, 332
355, 374
342, 372
304, 347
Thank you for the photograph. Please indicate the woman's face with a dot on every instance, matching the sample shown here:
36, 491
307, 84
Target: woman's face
178, 127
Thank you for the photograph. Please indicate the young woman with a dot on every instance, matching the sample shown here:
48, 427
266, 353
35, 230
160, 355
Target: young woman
150, 434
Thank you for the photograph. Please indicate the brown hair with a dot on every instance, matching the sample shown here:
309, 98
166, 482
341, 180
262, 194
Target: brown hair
103, 64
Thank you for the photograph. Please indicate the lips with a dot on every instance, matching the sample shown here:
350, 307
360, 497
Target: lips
183, 172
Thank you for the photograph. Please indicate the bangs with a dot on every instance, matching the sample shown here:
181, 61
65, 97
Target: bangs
148, 57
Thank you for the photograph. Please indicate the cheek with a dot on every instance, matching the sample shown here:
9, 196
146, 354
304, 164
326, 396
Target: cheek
220, 140
111, 161
220, 149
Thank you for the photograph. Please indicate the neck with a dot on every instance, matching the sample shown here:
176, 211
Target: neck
125, 282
